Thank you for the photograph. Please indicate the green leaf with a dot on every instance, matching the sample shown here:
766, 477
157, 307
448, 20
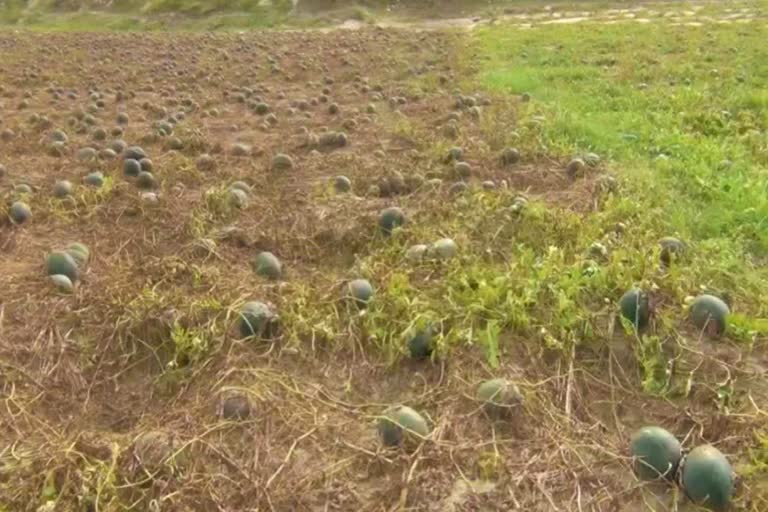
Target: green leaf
490, 340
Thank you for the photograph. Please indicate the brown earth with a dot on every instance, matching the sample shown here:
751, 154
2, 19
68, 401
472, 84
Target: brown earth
85, 376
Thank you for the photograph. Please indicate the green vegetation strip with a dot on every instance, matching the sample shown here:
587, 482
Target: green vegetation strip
682, 111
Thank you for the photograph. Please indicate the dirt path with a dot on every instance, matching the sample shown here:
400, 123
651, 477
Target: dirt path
672, 13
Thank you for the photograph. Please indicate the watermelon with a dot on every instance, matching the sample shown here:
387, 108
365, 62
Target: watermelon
79, 252
635, 307
257, 320
131, 167
710, 313
241, 185
62, 282
133, 152
454, 154
62, 189
499, 396
401, 424
462, 170
281, 162
19, 213
390, 219
267, 265
342, 184
671, 250
237, 198
361, 291
575, 167
421, 345
145, 180
707, 478
61, 263
416, 252
510, 156
443, 249
95, 179
656, 453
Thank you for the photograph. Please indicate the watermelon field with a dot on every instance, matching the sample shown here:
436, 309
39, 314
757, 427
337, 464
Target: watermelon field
512, 260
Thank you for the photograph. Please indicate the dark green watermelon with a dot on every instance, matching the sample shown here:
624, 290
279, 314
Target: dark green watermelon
421, 345
62, 263
241, 185
134, 153
342, 184
62, 188
710, 313
707, 478
19, 213
401, 424
237, 198
146, 180
281, 162
79, 252
131, 167
267, 265
94, 179
390, 219
257, 320
361, 291
656, 453
63, 283
634, 306
671, 250
499, 396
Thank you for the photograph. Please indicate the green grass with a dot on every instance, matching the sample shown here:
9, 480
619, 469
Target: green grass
151, 15
668, 104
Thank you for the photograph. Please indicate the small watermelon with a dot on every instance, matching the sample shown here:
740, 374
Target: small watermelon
401, 424
635, 307
146, 180
267, 265
19, 213
237, 198
342, 184
257, 320
79, 252
94, 179
510, 156
443, 249
361, 291
62, 282
390, 219
281, 162
671, 250
454, 154
656, 453
62, 188
416, 252
241, 185
710, 313
499, 396
61, 263
707, 477
134, 153
421, 345
131, 167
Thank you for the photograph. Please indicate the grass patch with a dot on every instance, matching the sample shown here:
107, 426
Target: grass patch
679, 109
